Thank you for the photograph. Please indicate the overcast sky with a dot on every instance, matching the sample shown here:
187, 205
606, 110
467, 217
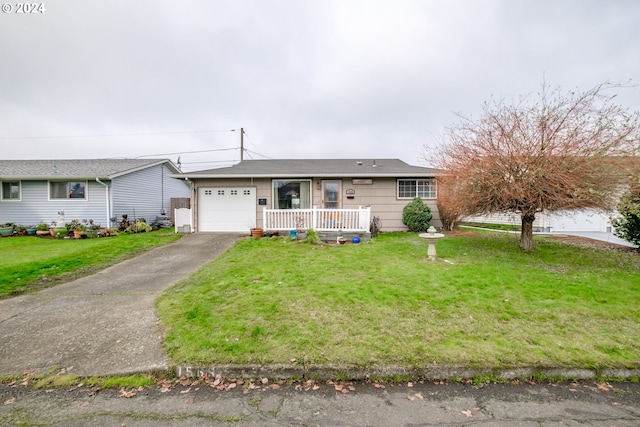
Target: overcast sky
304, 78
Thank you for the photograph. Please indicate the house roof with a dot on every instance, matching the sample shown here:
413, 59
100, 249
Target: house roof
76, 169
308, 168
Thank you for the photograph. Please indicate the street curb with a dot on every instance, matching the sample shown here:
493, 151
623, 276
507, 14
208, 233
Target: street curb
296, 372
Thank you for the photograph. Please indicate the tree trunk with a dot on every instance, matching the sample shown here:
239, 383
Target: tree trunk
526, 233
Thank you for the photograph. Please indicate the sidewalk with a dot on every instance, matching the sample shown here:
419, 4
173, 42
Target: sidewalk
605, 237
105, 323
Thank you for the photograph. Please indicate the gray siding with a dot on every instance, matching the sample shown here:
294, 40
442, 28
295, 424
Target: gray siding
35, 206
145, 193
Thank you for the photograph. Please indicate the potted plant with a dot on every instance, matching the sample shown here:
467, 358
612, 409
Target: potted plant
6, 229
42, 229
257, 233
78, 228
59, 232
31, 230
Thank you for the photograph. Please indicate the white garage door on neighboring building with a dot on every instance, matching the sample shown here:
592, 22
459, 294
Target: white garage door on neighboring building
580, 221
226, 208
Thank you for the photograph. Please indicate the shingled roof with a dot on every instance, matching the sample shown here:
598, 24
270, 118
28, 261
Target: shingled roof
305, 168
75, 169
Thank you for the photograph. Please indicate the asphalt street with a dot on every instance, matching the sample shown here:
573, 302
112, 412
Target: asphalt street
203, 403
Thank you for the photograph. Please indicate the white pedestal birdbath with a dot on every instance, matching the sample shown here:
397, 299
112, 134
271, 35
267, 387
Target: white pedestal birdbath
432, 237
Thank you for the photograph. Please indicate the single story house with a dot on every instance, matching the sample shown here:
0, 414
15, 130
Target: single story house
323, 194
35, 191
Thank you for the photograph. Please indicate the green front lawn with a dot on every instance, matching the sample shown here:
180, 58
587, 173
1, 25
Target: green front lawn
484, 303
29, 263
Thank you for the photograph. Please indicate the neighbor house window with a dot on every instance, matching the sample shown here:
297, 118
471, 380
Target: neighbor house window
291, 194
10, 190
410, 188
67, 189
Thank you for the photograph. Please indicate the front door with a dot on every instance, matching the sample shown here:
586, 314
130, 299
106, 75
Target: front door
331, 191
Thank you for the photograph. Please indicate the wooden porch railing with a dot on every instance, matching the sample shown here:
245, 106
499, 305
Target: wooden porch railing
352, 220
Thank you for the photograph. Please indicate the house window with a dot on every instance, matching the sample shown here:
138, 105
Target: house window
410, 188
291, 194
67, 189
11, 190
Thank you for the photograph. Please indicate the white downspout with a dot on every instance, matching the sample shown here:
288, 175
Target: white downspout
106, 192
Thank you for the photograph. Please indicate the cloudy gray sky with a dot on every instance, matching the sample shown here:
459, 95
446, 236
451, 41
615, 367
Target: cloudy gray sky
305, 78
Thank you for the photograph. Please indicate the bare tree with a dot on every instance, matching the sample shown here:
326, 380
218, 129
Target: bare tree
550, 151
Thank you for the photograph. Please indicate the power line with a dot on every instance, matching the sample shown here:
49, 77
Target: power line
113, 134
189, 152
256, 153
248, 151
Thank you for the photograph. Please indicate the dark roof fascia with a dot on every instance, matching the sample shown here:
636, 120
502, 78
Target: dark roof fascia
314, 168
108, 176
309, 175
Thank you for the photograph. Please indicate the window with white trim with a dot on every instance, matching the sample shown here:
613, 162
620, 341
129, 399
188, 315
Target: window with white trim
11, 190
67, 190
291, 194
410, 188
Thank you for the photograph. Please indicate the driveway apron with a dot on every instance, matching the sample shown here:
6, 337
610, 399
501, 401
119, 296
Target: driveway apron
106, 323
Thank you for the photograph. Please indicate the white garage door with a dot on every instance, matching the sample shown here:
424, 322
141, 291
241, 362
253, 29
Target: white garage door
580, 221
226, 209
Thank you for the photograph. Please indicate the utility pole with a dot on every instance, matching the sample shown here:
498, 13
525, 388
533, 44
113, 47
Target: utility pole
241, 144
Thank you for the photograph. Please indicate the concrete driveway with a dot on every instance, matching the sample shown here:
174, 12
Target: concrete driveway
104, 324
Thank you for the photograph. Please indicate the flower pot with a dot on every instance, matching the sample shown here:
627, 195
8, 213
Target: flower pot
31, 231
257, 233
60, 232
43, 233
77, 234
6, 231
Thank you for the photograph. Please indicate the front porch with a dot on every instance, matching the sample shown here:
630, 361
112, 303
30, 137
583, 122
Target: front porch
319, 219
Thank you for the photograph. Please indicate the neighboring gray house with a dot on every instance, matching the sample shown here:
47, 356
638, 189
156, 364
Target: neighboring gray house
34, 191
319, 193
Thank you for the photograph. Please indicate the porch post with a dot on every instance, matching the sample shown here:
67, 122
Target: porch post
314, 216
